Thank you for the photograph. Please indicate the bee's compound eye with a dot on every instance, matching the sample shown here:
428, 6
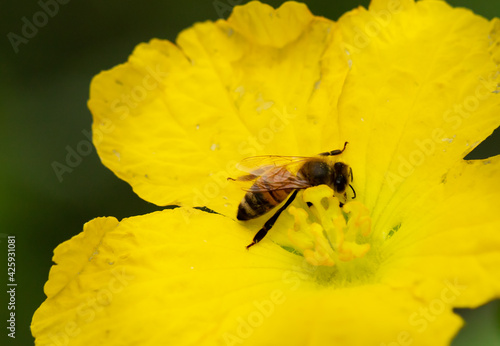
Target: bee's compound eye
339, 167
340, 183
340, 180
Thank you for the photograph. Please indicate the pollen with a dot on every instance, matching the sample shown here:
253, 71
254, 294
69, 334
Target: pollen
327, 234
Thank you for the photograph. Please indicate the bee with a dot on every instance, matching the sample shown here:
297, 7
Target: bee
277, 177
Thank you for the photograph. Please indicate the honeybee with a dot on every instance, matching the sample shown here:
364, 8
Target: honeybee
276, 177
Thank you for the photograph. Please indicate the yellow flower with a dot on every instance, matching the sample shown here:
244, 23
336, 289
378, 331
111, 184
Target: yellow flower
411, 86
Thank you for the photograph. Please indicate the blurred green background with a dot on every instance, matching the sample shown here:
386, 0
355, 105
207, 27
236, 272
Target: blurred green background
44, 90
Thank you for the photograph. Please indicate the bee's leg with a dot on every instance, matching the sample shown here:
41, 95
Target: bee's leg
334, 152
269, 223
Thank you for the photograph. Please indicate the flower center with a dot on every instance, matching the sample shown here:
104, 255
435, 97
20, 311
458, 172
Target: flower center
327, 234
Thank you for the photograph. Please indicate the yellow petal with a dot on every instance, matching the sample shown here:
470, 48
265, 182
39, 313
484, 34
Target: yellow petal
73, 262
185, 270
189, 272
495, 40
370, 315
421, 94
175, 119
269, 27
452, 236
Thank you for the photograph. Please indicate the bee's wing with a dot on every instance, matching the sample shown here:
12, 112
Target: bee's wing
261, 165
272, 172
278, 181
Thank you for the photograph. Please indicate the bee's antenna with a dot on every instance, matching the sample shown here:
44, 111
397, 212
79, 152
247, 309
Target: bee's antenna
352, 188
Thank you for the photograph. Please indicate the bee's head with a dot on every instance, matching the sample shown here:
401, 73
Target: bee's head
341, 177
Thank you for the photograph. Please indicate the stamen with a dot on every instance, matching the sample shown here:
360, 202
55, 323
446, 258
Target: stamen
327, 234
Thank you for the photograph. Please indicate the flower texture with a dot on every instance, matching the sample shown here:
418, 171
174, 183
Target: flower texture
413, 88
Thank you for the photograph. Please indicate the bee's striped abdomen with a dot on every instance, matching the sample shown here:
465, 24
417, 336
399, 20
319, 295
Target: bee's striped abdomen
255, 204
